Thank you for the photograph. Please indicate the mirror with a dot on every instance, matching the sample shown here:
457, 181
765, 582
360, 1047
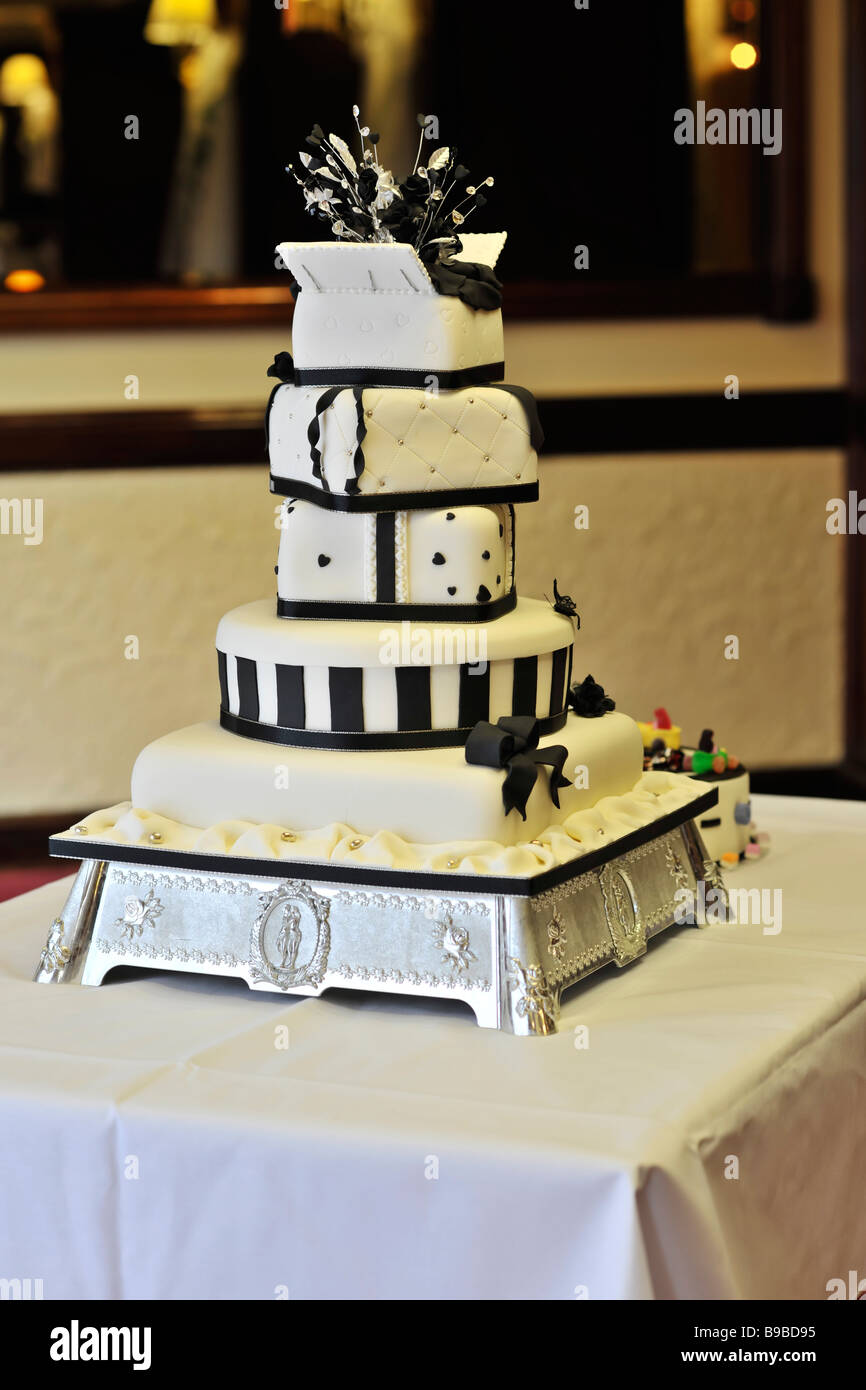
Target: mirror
145, 142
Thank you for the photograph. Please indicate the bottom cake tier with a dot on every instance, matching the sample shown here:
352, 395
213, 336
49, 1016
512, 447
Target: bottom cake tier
204, 774
203, 790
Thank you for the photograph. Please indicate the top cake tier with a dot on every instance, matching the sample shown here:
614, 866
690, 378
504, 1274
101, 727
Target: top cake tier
370, 314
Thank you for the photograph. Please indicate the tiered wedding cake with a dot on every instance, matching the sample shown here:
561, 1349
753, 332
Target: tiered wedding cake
398, 705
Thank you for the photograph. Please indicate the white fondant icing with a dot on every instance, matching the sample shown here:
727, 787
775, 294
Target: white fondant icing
542, 692
322, 555
348, 541
416, 441
203, 774
351, 295
254, 631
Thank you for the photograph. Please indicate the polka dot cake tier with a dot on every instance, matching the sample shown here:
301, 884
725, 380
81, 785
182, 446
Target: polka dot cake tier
396, 563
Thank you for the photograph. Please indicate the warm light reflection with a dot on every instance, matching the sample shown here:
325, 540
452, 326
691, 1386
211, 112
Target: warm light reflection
744, 55
180, 23
742, 10
20, 75
24, 281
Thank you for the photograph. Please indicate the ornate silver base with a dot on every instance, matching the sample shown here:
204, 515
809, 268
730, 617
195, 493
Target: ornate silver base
508, 955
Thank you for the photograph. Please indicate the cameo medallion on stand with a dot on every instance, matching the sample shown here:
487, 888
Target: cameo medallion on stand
291, 938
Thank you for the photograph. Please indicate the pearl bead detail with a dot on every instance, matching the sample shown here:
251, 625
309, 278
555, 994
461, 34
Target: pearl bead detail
355, 844
79, 829
287, 835
155, 837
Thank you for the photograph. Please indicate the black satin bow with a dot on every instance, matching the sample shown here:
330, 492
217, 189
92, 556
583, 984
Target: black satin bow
283, 367
470, 281
512, 743
589, 700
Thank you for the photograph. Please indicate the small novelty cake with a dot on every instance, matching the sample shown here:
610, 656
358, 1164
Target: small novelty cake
727, 829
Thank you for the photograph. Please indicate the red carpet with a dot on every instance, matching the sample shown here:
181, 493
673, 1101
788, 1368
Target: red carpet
15, 881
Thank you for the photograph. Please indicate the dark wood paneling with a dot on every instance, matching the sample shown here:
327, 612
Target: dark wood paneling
131, 438
145, 306
789, 294
695, 422
137, 438
855, 546
169, 306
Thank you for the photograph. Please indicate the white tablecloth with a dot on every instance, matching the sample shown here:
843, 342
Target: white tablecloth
156, 1142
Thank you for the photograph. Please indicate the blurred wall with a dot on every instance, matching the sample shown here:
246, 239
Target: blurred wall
161, 554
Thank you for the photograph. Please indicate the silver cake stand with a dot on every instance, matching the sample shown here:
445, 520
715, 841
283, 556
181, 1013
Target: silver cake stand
507, 946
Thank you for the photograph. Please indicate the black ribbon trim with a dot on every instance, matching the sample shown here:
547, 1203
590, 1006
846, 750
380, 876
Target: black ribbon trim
351, 742
382, 501
284, 368
314, 432
351, 484
483, 375
530, 405
512, 743
424, 612
322, 871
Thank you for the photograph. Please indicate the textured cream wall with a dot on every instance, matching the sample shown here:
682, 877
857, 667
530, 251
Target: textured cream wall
162, 554
683, 551
159, 554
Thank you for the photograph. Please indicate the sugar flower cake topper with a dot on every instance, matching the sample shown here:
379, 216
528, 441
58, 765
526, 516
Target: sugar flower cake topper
363, 202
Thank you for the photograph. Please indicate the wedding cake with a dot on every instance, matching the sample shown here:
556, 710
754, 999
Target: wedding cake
397, 703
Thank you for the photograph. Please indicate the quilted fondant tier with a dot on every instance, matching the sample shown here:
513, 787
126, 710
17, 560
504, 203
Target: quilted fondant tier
404, 684
404, 564
380, 448
374, 309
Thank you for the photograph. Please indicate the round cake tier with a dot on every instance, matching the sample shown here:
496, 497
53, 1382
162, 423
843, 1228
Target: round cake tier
345, 684
379, 448
203, 775
453, 565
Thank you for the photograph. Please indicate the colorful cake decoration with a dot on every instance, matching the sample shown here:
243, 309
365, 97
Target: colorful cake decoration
728, 832
362, 202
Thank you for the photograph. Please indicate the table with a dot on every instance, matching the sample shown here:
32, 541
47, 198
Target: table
696, 1130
